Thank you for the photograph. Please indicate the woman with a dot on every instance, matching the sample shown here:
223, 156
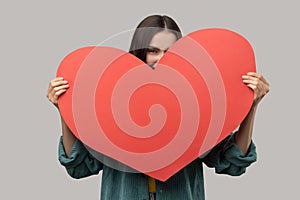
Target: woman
231, 156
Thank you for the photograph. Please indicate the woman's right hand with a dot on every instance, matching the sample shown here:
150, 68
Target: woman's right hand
57, 87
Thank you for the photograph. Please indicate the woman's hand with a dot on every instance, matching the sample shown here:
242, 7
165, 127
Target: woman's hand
260, 87
56, 88
258, 84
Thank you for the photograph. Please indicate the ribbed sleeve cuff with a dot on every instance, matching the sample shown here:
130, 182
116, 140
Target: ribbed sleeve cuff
236, 157
77, 154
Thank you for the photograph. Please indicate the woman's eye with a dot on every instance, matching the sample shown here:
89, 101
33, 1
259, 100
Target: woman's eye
152, 51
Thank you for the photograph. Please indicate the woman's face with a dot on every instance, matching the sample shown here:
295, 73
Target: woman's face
159, 44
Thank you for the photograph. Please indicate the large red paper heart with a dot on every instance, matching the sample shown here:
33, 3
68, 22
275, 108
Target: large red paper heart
158, 121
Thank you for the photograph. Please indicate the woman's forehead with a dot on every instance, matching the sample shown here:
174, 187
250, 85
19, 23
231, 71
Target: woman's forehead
163, 40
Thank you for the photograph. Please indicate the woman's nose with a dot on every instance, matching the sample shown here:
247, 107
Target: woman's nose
157, 58
160, 55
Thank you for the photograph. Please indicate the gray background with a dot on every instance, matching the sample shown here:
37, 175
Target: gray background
36, 35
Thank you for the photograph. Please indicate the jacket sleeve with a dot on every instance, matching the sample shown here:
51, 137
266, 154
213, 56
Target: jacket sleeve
227, 158
80, 163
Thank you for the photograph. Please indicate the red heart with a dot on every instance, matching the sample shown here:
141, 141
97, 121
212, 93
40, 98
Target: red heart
195, 98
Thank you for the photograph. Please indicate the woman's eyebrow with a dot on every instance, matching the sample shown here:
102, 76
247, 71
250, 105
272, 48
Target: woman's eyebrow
152, 47
156, 48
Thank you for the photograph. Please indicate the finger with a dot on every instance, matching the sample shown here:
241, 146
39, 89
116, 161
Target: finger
258, 76
255, 90
257, 85
56, 89
251, 77
259, 90
251, 81
55, 80
60, 92
58, 83
260, 81
55, 83
252, 86
56, 95
261, 86
58, 79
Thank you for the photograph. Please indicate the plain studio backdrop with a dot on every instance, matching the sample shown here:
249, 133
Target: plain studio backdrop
37, 35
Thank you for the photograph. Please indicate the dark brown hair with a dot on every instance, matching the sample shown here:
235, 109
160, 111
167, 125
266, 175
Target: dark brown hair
145, 31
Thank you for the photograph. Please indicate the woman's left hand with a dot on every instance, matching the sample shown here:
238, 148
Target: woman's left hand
258, 84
